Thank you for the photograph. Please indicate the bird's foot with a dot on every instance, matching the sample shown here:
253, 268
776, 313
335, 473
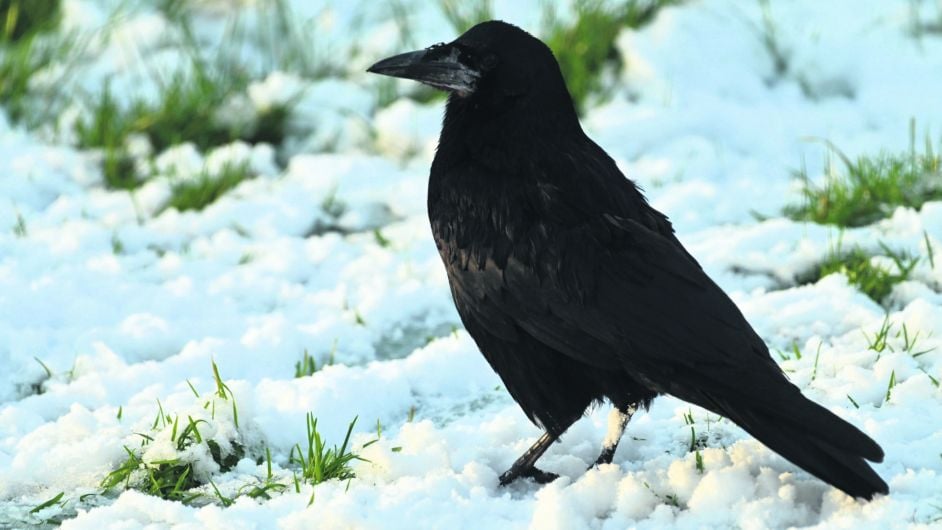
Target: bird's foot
538, 475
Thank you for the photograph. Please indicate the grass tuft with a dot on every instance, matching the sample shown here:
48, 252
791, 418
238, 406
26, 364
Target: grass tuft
883, 339
306, 366
202, 191
585, 48
319, 463
173, 478
872, 278
870, 188
19, 229
20, 19
24, 100
188, 110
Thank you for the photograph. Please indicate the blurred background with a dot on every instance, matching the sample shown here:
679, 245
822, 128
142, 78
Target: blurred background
132, 79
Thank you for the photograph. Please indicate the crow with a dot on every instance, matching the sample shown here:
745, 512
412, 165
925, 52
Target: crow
573, 287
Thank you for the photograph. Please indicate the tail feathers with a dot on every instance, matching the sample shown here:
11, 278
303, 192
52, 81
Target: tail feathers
836, 454
804, 414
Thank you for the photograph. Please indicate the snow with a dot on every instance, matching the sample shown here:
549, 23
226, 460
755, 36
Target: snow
329, 252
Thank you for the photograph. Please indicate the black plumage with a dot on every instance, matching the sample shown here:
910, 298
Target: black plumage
574, 288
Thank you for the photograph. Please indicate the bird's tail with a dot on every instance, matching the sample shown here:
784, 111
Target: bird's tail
816, 440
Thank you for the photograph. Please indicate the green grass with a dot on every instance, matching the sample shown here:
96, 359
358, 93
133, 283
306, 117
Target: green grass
264, 488
870, 188
20, 60
585, 48
51, 502
883, 339
889, 386
19, 228
191, 102
21, 18
186, 111
206, 188
173, 478
873, 279
317, 462
696, 442
195, 104
306, 366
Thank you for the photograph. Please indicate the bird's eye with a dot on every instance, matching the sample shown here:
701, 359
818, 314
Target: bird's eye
489, 61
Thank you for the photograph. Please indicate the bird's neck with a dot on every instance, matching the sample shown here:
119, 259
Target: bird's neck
513, 139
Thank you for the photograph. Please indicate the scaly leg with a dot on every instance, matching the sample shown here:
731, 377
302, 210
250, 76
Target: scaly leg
617, 419
524, 466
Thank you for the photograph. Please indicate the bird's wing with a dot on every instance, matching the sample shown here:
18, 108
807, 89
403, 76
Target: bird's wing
612, 293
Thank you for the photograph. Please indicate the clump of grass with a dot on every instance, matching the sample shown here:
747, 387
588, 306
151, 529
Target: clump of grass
22, 18
19, 229
202, 191
186, 111
879, 341
585, 48
318, 463
20, 60
306, 366
870, 188
873, 279
906, 340
203, 103
170, 479
108, 129
173, 478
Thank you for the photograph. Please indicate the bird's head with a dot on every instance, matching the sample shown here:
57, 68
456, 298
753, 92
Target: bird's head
493, 63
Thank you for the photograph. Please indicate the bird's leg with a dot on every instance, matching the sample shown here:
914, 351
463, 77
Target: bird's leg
617, 419
524, 467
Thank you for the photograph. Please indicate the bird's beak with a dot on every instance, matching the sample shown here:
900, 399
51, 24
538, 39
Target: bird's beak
442, 66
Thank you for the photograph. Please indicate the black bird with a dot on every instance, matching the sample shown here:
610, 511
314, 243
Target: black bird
573, 287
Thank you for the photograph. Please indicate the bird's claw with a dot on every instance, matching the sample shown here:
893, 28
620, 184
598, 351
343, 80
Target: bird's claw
538, 475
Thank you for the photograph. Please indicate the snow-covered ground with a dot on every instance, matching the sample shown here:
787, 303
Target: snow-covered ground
127, 304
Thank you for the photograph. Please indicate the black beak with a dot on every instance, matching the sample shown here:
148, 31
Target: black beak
443, 66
